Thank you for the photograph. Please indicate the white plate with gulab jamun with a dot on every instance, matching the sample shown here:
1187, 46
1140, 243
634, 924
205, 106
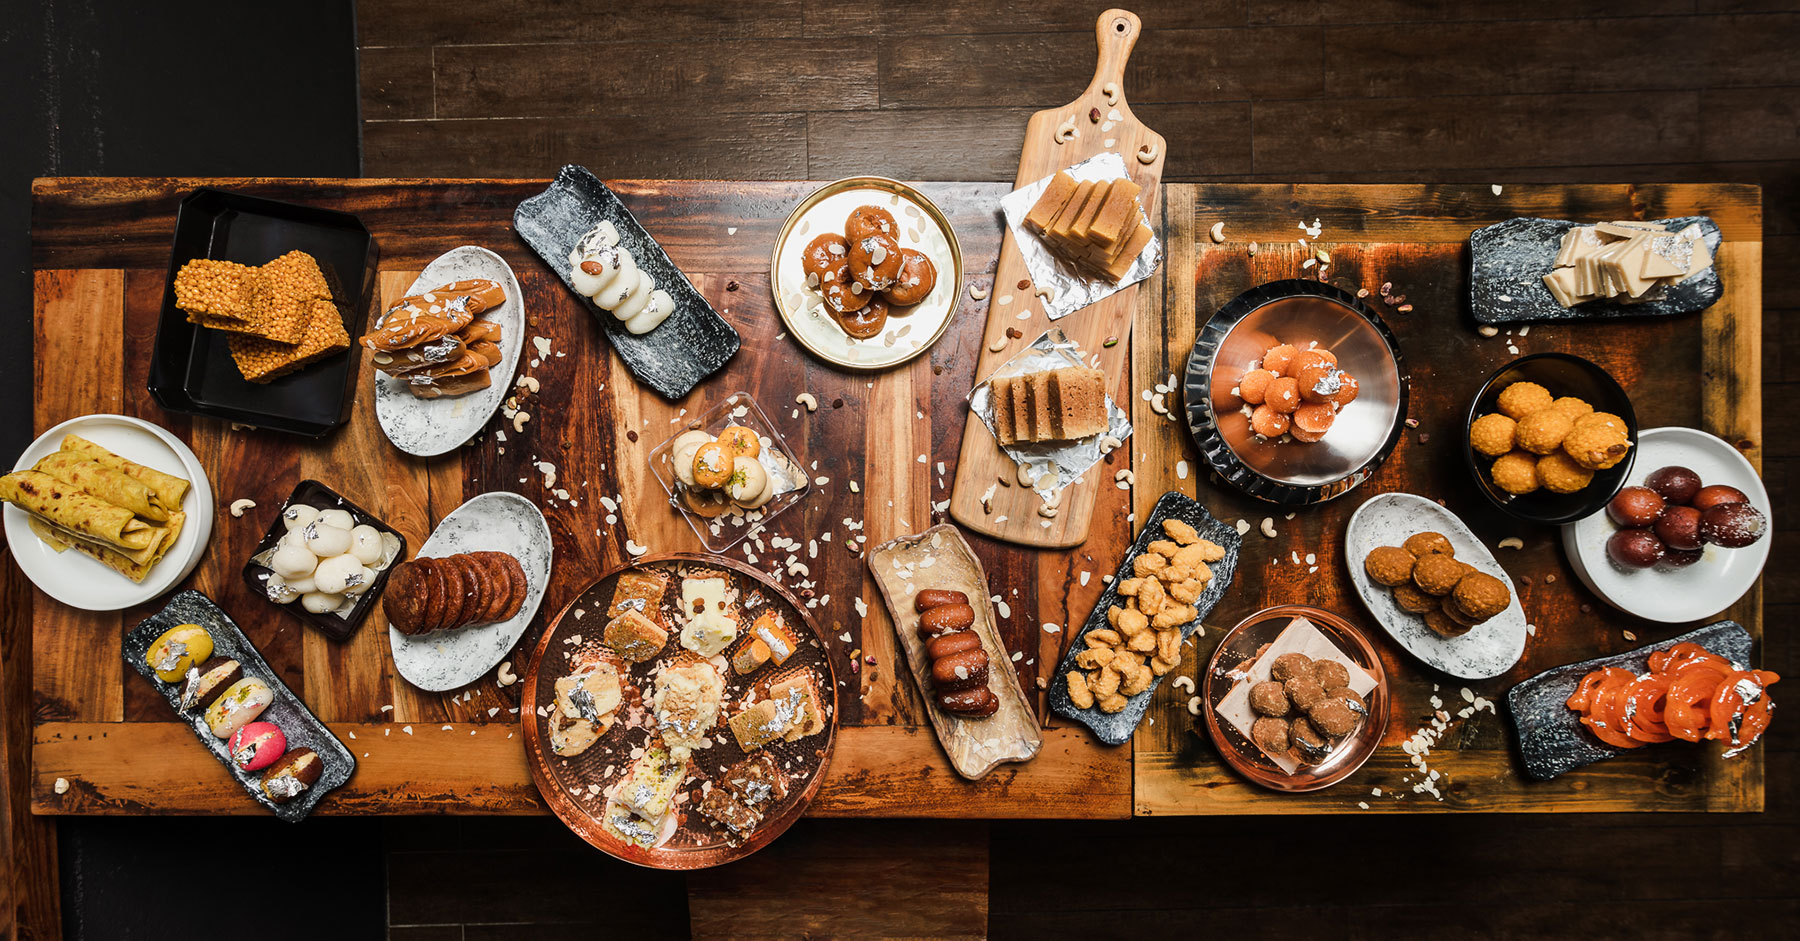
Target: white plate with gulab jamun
1685, 537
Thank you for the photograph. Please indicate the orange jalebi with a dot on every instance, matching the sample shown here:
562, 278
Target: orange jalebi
1690, 693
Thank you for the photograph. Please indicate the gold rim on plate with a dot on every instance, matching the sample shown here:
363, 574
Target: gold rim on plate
802, 310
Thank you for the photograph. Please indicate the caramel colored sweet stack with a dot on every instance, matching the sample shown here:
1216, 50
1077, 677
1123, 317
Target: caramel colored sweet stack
279, 317
1056, 405
1098, 227
1627, 262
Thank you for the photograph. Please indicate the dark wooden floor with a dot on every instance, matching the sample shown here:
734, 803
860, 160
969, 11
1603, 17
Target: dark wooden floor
1270, 90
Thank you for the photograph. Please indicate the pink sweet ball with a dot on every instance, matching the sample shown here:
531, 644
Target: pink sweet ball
257, 746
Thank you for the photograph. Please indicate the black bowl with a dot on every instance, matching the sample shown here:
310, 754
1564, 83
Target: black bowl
315, 494
1564, 375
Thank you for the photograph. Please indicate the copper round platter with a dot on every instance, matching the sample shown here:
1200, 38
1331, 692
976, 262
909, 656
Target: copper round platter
575, 788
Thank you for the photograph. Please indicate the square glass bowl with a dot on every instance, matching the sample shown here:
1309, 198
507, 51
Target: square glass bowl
317, 495
719, 533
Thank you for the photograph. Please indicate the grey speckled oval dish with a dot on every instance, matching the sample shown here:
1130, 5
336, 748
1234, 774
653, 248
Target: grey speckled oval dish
429, 427
498, 522
1488, 649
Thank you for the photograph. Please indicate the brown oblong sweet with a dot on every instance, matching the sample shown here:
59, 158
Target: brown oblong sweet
515, 574
945, 618
935, 597
476, 584
954, 642
447, 603
469, 589
964, 670
432, 607
497, 584
453, 591
977, 703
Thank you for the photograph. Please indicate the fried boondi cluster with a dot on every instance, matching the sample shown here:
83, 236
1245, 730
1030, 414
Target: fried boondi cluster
1143, 639
278, 317
1428, 580
1538, 441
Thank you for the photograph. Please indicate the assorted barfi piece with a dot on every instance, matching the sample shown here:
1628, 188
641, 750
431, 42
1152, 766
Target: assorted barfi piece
604, 271
586, 701
442, 594
770, 639
743, 794
232, 705
1054, 405
278, 317
1295, 395
1539, 441
1626, 262
864, 275
959, 660
325, 559
635, 630
788, 712
84, 497
1428, 580
1142, 639
686, 704
437, 343
637, 808
709, 623
1099, 227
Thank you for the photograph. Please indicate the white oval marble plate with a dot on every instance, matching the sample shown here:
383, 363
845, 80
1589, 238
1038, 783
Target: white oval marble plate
1488, 649
86, 583
429, 427
1674, 596
497, 522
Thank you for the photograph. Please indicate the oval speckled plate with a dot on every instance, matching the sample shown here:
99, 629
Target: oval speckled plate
429, 427
1489, 648
498, 522
922, 227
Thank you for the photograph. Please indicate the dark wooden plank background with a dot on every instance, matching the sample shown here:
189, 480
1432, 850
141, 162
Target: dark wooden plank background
1244, 90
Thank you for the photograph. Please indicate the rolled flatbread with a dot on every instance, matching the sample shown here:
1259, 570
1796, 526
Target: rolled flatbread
126, 565
76, 510
170, 488
113, 486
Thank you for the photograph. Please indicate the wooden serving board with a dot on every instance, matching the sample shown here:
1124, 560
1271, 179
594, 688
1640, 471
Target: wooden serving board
1011, 514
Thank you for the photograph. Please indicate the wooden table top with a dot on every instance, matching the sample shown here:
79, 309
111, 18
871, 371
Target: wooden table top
100, 255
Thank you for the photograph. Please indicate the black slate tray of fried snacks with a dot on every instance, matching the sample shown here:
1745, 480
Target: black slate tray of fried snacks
693, 343
1115, 728
1508, 261
192, 370
1550, 735
317, 495
301, 728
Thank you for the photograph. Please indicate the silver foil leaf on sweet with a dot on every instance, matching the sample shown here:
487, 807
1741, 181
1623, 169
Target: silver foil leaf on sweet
583, 701
172, 655
285, 786
1056, 464
1070, 290
190, 689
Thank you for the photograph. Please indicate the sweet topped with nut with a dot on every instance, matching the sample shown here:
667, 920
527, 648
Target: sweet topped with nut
864, 275
1293, 394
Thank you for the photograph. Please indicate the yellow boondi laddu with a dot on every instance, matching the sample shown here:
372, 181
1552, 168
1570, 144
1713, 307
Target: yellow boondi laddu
261, 360
219, 289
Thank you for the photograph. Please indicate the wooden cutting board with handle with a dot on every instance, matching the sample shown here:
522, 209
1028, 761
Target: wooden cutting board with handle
1011, 513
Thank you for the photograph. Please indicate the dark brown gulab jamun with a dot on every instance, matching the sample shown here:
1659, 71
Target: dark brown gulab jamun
1635, 548
1675, 483
1712, 495
1733, 525
1680, 558
1679, 527
1636, 506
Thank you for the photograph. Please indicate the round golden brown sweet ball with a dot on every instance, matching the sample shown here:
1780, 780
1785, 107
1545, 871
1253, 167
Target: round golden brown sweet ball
1412, 600
1572, 407
1289, 665
1481, 596
1429, 542
1558, 473
1312, 745
1389, 565
1304, 692
1333, 718
1492, 435
1596, 446
1271, 735
1443, 625
1607, 419
1522, 398
1515, 473
1457, 614
1330, 673
1268, 699
1543, 431
1437, 574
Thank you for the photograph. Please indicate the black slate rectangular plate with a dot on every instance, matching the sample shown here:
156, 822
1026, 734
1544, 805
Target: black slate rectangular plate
672, 359
1508, 261
1551, 737
288, 713
315, 494
192, 370
1116, 728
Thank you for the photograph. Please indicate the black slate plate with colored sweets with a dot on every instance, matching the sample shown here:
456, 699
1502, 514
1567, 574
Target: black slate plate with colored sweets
686, 348
287, 712
1116, 728
192, 370
1508, 261
1552, 739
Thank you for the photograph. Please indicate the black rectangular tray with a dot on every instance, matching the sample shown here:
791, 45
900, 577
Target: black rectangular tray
192, 370
1508, 261
297, 723
1550, 735
672, 359
315, 494
1116, 728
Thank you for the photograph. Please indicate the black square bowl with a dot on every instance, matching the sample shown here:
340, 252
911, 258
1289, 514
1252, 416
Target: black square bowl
315, 494
193, 371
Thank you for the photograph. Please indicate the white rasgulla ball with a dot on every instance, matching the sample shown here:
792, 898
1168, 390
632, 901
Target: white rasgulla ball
298, 515
334, 574
293, 561
339, 518
319, 602
325, 540
365, 544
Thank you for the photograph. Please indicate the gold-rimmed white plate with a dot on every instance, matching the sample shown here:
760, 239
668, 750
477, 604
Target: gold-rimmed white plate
923, 227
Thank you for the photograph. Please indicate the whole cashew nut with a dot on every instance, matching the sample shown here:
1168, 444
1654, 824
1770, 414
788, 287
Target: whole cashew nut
1111, 91
1066, 131
1147, 154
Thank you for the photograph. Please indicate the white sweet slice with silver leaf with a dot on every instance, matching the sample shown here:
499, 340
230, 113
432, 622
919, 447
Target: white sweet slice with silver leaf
638, 299
660, 307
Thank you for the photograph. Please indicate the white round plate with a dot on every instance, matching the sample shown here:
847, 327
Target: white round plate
429, 427
497, 522
86, 583
1674, 596
1489, 648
